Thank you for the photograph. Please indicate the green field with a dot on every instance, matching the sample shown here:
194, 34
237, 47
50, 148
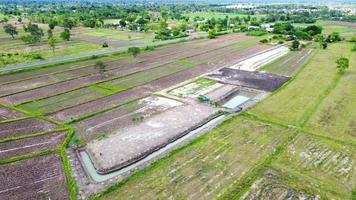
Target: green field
295, 104
24, 53
344, 28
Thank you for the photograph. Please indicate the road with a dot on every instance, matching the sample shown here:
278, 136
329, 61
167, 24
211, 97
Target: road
73, 57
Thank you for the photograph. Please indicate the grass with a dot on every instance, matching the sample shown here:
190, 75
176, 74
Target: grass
332, 26
208, 166
17, 52
291, 105
334, 117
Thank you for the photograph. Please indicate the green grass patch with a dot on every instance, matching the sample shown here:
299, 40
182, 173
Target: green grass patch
290, 105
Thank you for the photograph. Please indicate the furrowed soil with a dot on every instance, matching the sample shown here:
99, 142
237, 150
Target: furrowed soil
35, 178
31, 145
289, 64
24, 127
6, 113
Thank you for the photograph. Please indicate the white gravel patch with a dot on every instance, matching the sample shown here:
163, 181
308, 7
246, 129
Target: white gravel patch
255, 62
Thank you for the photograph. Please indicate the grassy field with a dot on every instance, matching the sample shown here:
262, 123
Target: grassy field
16, 51
209, 166
216, 15
294, 104
334, 117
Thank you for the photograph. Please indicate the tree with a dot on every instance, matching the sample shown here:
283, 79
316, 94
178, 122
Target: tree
134, 51
11, 30
35, 31
52, 43
342, 64
313, 30
323, 44
49, 33
333, 37
212, 34
122, 23
52, 24
100, 67
68, 23
295, 45
65, 35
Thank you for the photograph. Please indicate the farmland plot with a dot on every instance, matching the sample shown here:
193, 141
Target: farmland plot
122, 117
24, 127
35, 178
31, 145
6, 113
288, 64
209, 166
330, 165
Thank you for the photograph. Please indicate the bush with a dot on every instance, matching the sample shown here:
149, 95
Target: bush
264, 41
212, 34
105, 45
256, 33
149, 48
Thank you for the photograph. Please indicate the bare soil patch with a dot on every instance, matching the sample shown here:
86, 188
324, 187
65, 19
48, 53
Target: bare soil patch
6, 113
120, 118
257, 80
133, 143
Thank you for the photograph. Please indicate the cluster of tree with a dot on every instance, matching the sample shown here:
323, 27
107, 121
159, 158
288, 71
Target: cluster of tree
165, 32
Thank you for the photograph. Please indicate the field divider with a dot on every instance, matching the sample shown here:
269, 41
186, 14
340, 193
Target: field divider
33, 135
28, 156
71, 183
16, 119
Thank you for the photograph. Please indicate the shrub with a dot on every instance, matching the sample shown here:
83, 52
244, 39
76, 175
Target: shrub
256, 33
105, 45
264, 41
